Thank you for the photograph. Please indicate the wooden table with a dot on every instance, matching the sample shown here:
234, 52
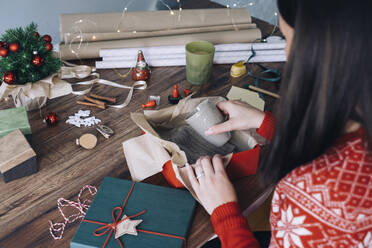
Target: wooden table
27, 204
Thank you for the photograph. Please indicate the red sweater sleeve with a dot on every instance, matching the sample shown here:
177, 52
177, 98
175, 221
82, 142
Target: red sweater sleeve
245, 163
267, 127
231, 227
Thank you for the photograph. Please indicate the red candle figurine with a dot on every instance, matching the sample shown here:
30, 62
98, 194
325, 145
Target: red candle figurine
141, 71
187, 92
149, 104
175, 97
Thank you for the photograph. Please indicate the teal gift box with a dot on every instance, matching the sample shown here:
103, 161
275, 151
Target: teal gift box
13, 119
165, 222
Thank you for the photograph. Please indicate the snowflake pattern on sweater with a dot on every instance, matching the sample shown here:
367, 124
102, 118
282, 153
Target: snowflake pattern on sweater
328, 202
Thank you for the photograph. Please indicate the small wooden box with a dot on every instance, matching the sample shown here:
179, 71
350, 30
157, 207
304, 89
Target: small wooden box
17, 158
12, 119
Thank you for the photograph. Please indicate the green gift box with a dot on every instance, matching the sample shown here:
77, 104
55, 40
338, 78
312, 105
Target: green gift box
13, 119
166, 215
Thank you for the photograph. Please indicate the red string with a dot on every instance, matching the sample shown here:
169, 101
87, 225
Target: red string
165, 235
57, 229
111, 227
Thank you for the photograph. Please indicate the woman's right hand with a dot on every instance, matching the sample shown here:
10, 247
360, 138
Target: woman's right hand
242, 116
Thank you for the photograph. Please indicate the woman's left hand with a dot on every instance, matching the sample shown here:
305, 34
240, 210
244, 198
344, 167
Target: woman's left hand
212, 187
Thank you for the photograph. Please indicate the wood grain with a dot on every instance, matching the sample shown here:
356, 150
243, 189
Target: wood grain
27, 204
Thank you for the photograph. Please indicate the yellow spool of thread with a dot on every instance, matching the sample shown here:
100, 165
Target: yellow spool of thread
238, 69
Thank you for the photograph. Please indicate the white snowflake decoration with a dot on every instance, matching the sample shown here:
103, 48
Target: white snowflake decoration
78, 120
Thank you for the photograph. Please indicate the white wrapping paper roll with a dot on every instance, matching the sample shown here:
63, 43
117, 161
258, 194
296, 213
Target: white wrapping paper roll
183, 55
157, 62
163, 50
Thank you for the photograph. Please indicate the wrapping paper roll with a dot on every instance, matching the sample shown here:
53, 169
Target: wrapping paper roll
91, 50
151, 20
164, 50
182, 61
89, 37
183, 55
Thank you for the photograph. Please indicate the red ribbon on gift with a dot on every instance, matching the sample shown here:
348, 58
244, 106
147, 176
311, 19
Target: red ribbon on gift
111, 227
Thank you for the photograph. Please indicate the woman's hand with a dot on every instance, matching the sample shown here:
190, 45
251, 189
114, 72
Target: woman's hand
242, 116
210, 183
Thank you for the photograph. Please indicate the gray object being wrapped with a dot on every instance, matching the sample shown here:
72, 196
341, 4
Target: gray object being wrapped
194, 145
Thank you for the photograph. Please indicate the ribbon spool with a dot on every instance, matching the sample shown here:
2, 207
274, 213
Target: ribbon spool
238, 69
273, 75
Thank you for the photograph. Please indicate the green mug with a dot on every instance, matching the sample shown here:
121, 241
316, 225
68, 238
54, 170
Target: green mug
199, 61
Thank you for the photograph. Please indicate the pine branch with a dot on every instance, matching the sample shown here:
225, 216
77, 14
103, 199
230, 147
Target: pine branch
20, 62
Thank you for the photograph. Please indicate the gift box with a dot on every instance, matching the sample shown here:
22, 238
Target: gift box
12, 119
160, 216
17, 158
154, 152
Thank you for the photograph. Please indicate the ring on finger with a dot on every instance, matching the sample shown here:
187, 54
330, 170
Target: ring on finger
199, 175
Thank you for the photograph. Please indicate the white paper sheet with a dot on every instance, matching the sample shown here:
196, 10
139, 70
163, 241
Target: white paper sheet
182, 61
162, 50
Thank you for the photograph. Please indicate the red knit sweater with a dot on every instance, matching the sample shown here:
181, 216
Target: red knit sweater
325, 203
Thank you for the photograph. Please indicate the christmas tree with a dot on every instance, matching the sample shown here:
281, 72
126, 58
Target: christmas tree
25, 56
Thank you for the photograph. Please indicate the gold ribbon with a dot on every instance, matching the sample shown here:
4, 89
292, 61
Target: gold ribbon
84, 71
31, 94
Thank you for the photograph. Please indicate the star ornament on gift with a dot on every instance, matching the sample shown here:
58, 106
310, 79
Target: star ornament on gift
127, 226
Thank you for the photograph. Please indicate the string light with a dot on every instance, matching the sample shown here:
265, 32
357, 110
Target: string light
77, 35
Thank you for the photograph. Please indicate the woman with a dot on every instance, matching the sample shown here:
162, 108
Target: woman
320, 157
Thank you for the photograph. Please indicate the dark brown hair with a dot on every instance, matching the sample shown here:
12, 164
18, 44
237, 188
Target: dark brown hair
327, 77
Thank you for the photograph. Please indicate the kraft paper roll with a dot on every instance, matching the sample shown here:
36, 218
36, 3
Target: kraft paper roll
89, 37
151, 20
91, 50
182, 61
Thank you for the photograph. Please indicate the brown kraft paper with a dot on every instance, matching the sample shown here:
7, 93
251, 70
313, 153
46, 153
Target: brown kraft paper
146, 154
91, 49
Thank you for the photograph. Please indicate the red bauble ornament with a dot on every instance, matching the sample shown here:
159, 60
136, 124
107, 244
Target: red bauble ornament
1, 43
49, 47
47, 38
37, 35
9, 77
5, 44
37, 61
14, 47
51, 119
3, 52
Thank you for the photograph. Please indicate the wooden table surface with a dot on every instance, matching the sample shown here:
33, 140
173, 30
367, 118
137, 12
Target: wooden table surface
27, 204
